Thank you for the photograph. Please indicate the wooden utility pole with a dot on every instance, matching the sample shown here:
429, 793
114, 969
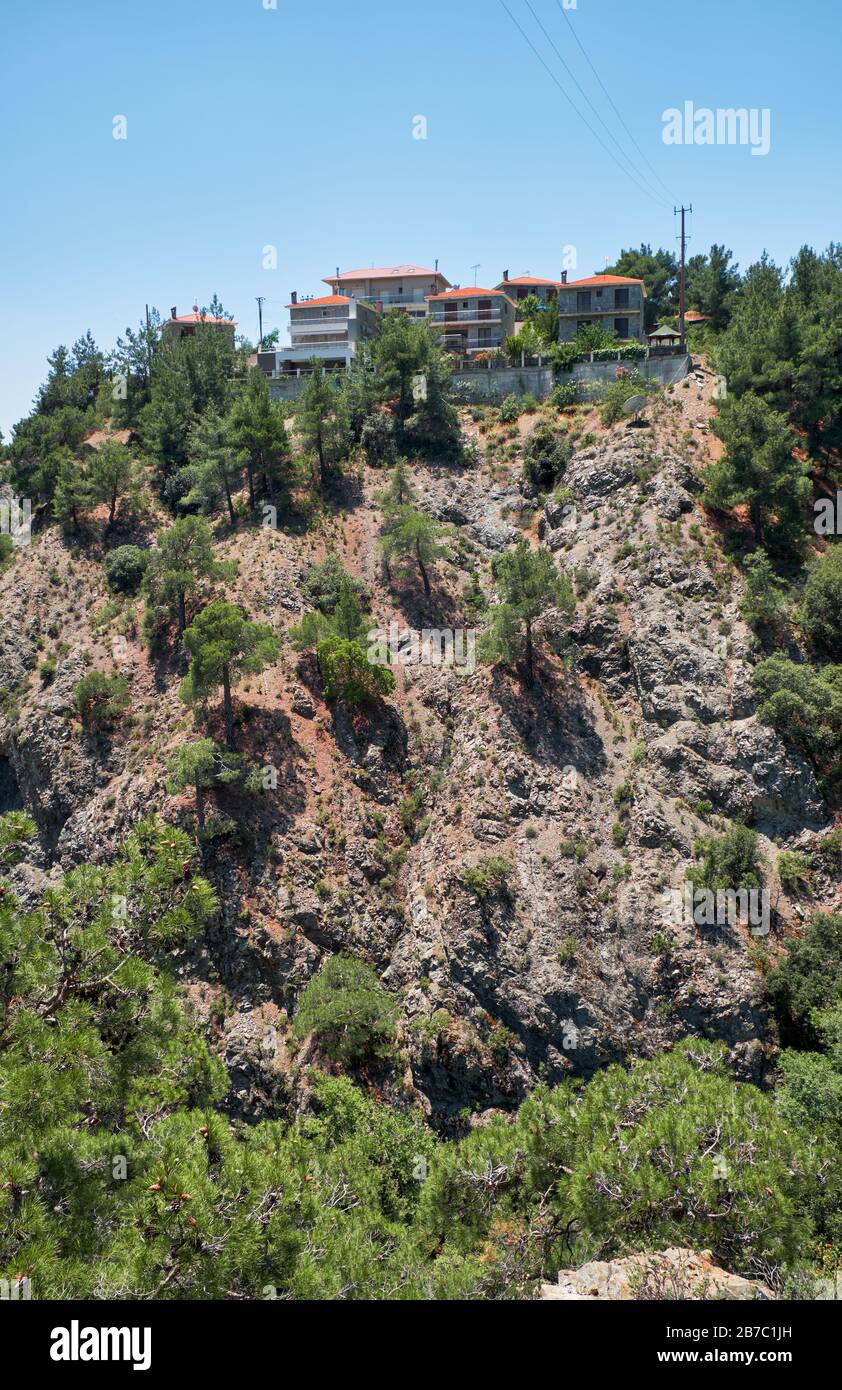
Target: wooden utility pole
261, 299
682, 277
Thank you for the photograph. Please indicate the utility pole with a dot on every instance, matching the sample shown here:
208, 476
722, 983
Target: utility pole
475, 268
261, 300
682, 277
148, 348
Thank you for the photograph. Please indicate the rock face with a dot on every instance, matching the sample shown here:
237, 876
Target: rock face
586, 791
673, 1274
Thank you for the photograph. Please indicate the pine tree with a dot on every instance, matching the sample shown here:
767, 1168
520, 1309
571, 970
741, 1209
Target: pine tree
529, 584
182, 559
224, 644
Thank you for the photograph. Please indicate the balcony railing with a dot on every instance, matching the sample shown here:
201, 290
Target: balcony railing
458, 342
467, 316
392, 301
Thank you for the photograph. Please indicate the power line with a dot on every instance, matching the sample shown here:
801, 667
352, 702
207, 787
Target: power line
625, 169
572, 29
571, 74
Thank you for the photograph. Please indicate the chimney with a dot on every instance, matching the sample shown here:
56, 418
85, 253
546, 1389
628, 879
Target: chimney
294, 297
173, 314
505, 275
337, 272
564, 277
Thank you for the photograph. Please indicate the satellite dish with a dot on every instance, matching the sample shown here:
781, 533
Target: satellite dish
634, 405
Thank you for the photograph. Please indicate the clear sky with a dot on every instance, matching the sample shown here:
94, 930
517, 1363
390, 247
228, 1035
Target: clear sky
292, 128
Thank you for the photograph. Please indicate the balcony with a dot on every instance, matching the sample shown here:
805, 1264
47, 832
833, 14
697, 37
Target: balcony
461, 342
494, 315
329, 321
415, 299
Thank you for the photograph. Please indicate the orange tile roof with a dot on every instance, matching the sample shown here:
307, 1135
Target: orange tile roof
325, 300
693, 316
201, 318
474, 292
525, 280
385, 272
598, 280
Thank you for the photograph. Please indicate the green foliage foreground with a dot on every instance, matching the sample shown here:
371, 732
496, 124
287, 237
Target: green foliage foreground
122, 1176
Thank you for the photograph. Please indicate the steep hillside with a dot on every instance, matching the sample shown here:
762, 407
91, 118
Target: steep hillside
576, 802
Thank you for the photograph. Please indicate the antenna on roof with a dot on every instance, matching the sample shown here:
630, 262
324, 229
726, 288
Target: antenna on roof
475, 268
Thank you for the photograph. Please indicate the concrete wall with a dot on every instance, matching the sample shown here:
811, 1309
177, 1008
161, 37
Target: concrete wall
593, 376
495, 383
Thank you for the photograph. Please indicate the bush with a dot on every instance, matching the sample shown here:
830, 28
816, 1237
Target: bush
510, 410
378, 439
546, 454
565, 394
490, 876
670, 1151
100, 699
821, 610
794, 869
349, 675
808, 980
615, 396
804, 705
350, 1015
729, 862
125, 568
324, 584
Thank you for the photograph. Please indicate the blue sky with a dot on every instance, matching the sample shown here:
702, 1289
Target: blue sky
292, 127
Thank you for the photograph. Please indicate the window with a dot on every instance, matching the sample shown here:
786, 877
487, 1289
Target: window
621, 328
621, 299
583, 299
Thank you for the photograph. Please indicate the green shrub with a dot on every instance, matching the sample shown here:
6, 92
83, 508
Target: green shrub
490, 876
125, 568
821, 609
546, 454
350, 1015
510, 410
729, 862
100, 699
349, 675
794, 869
808, 980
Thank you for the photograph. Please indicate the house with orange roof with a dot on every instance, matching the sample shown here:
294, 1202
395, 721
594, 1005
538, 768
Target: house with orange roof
391, 286
471, 320
615, 301
179, 326
328, 328
520, 286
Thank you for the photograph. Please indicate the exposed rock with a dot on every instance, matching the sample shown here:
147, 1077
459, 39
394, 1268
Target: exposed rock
668, 1275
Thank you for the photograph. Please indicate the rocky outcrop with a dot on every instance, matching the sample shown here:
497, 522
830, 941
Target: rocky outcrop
673, 1274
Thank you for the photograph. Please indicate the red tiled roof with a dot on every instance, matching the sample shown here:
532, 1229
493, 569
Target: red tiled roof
386, 272
472, 293
598, 280
326, 299
201, 318
693, 316
525, 280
